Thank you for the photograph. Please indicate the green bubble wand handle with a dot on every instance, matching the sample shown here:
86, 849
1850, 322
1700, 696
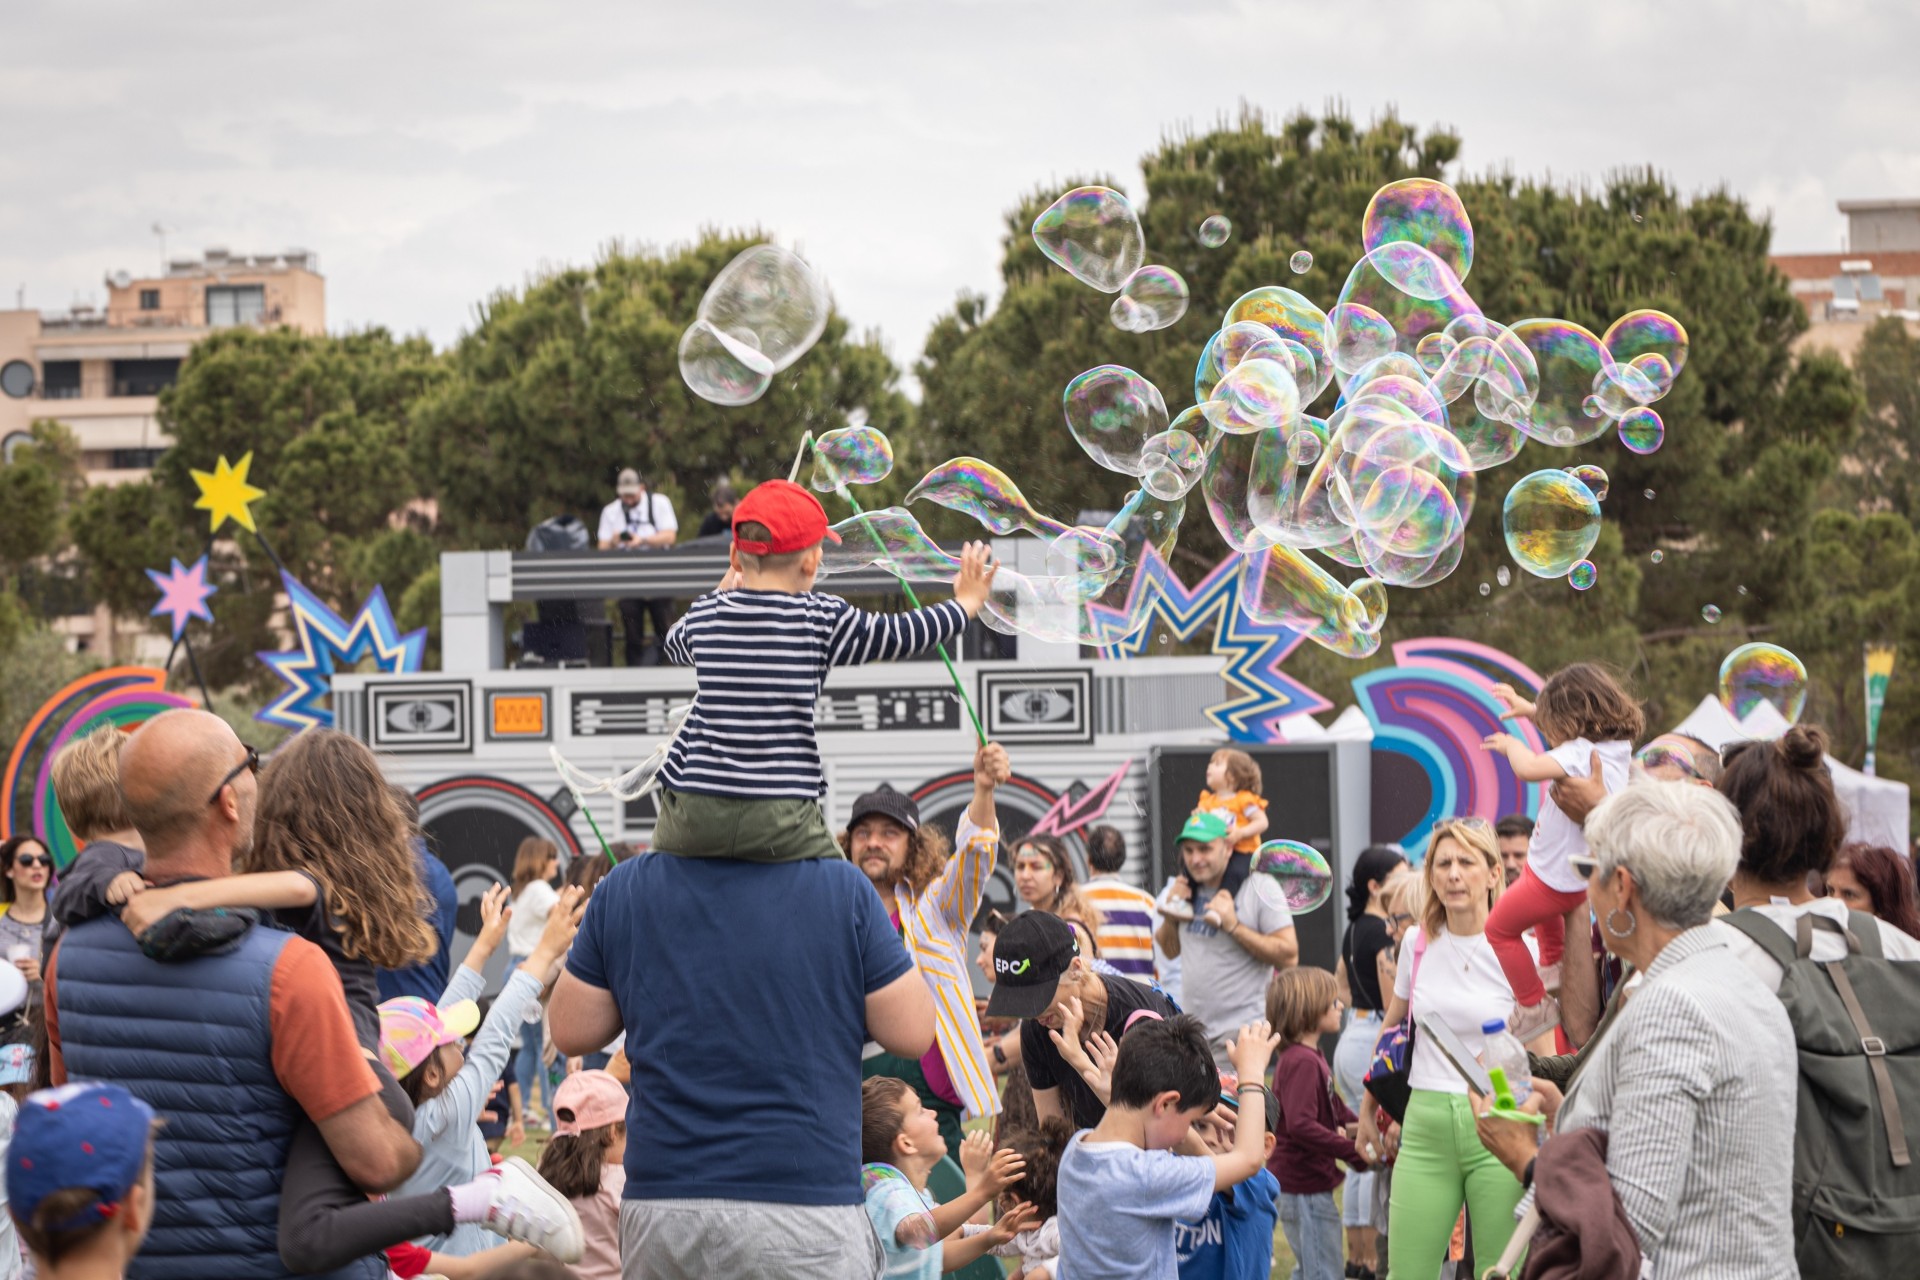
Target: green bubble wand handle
839, 487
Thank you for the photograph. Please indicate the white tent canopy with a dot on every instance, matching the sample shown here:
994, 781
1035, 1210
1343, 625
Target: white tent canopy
1877, 811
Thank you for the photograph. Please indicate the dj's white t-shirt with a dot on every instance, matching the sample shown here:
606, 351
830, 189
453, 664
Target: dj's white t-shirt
1461, 983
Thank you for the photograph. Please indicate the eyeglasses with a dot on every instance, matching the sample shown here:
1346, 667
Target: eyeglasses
32, 860
250, 765
1402, 918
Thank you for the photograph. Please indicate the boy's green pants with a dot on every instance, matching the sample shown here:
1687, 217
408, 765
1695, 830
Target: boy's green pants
702, 826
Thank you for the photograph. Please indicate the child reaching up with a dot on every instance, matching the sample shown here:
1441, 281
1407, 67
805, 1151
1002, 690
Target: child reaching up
900, 1142
1038, 1245
743, 777
1582, 711
1121, 1187
1234, 1241
1303, 1004
1233, 794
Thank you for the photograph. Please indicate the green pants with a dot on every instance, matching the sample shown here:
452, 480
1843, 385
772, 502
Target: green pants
701, 826
1441, 1166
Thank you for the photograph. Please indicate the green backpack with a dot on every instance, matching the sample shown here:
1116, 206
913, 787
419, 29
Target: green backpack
1856, 1023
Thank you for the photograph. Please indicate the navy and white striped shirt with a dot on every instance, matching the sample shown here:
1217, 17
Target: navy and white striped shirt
761, 657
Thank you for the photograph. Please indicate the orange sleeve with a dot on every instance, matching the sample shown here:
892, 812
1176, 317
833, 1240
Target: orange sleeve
315, 1052
1250, 803
56, 1059
1206, 802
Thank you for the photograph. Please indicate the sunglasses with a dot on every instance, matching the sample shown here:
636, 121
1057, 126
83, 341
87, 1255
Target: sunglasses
250, 765
1656, 757
32, 860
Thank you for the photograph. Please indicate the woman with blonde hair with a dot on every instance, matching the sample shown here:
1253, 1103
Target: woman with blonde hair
1448, 972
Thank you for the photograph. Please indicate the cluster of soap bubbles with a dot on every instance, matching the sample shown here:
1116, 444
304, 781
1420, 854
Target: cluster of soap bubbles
760, 314
1431, 392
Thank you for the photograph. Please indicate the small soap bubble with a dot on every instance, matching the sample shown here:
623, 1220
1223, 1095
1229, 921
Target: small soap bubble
850, 455
1583, 575
1152, 298
1551, 521
1710, 612
1647, 494
1306, 881
1595, 478
1485, 589
1503, 575
1642, 431
1658, 556
1741, 590
1304, 448
1214, 231
1301, 262
1756, 673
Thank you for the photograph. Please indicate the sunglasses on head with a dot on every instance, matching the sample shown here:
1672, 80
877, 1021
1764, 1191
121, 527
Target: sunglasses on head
250, 765
1652, 757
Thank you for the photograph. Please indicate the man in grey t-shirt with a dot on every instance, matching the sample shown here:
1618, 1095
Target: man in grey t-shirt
1224, 970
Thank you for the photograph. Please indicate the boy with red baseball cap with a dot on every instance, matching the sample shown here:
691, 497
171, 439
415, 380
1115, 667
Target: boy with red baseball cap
743, 777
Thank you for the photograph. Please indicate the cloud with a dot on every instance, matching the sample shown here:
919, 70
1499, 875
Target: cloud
432, 153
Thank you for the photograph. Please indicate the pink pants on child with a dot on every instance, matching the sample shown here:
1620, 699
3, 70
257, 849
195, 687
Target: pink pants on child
1529, 903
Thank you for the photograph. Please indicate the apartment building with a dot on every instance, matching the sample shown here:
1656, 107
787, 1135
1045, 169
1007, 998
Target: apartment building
1876, 273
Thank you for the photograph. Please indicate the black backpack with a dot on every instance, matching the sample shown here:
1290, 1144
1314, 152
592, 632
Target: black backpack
1856, 1024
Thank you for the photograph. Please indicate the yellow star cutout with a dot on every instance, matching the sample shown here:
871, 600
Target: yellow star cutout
226, 493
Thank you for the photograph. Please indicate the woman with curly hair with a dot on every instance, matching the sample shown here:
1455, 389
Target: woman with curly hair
933, 896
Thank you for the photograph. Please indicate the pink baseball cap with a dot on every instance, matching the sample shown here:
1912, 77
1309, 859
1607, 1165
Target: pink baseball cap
588, 1100
411, 1029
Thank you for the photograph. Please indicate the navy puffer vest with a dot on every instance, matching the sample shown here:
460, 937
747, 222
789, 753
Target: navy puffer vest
193, 1040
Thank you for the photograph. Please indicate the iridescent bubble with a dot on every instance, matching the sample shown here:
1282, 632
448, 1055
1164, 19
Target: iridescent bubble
986, 493
850, 455
1649, 333
1375, 283
1551, 521
1247, 483
1094, 233
1503, 575
1647, 494
1361, 336
1658, 556
1303, 448
1152, 298
1254, 396
1306, 881
770, 300
1757, 673
1570, 359
1113, 412
1595, 478
721, 369
1301, 262
1293, 591
1710, 612
1582, 575
1485, 589
1428, 214
1642, 431
1294, 318
892, 540
1171, 464
1214, 231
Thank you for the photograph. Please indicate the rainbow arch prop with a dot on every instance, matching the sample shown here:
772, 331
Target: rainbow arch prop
120, 696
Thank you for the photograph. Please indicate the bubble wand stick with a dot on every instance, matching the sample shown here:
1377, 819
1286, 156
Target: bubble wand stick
840, 487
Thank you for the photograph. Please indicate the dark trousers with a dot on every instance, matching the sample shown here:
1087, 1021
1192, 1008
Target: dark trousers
630, 619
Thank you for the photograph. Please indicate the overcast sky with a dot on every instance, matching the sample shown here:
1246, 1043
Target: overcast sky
433, 152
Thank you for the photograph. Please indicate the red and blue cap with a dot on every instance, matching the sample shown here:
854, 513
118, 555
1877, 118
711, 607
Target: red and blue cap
92, 1136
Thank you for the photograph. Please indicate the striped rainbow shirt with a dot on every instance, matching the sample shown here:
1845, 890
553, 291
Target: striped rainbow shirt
1126, 925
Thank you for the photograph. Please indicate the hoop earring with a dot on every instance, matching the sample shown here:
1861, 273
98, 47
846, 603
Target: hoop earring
1632, 924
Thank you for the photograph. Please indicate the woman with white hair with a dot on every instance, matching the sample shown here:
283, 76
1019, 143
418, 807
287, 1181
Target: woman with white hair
1693, 1080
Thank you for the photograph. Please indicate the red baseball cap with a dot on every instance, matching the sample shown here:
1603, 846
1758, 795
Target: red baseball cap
793, 516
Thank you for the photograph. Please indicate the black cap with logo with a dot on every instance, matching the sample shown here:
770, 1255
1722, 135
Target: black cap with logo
1029, 957
888, 803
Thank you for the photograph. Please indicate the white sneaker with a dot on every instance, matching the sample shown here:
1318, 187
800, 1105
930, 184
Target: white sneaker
1180, 909
525, 1207
1530, 1021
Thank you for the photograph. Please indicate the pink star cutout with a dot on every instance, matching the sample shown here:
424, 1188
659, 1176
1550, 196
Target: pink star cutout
183, 593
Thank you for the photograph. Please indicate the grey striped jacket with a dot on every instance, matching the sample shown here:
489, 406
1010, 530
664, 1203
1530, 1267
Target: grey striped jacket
1694, 1083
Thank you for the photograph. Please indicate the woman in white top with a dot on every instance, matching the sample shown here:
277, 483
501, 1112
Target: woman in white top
1447, 971
535, 864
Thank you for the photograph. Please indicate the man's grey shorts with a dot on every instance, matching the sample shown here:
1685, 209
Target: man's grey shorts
746, 1240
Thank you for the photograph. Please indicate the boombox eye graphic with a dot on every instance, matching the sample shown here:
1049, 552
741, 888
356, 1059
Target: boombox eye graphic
1036, 706
420, 715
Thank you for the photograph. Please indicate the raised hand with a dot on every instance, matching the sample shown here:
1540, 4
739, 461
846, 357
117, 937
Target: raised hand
975, 580
1021, 1217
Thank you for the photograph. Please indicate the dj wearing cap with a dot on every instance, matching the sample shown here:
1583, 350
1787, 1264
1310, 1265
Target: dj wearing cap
932, 895
80, 1179
639, 520
1038, 967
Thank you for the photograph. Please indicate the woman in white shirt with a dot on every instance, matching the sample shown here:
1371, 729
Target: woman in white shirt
535, 864
1447, 971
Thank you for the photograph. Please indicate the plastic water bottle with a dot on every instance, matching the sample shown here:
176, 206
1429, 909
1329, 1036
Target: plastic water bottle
1508, 1055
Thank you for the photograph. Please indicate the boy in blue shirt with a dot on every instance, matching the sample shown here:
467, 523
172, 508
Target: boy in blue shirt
1234, 1241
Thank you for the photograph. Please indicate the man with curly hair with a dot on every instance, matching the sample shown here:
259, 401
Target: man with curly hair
933, 894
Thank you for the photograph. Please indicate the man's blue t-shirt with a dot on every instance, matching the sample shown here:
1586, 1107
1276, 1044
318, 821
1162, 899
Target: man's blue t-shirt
1234, 1240
428, 979
742, 987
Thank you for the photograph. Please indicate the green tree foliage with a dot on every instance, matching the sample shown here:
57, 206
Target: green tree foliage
35, 488
566, 381
1751, 432
121, 531
1884, 468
